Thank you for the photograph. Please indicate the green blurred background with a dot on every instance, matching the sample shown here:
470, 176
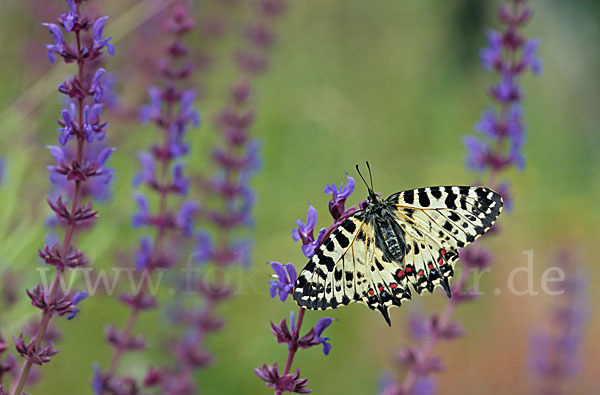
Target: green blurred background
397, 83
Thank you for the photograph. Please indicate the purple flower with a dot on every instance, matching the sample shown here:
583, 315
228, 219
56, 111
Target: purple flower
305, 232
530, 59
186, 112
556, 345
180, 183
97, 87
478, 153
148, 165
284, 283
153, 110
68, 20
91, 116
142, 216
76, 299
99, 42
59, 41
97, 380
204, 247
185, 216
66, 131
337, 203
143, 256
322, 324
58, 154
106, 172
491, 57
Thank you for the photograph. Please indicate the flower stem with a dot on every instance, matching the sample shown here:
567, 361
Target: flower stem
294, 344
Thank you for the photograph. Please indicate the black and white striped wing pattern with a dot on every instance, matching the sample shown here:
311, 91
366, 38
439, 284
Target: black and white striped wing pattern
437, 222
355, 262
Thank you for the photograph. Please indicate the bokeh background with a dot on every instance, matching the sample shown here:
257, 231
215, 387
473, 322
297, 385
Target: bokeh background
397, 83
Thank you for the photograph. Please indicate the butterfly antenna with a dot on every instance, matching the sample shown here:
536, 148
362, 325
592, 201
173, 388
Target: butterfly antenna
370, 175
371, 193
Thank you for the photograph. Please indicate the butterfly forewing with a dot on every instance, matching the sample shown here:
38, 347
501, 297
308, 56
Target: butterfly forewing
355, 264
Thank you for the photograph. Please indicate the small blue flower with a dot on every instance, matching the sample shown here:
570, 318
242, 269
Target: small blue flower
491, 57
91, 116
187, 113
477, 153
284, 283
99, 42
204, 247
180, 183
76, 299
143, 256
153, 110
97, 87
59, 41
66, 132
148, 165
140, 218
97, 380
69, 19
186, 215
106, 172
58, 154
530, 58
305, 232
322, 324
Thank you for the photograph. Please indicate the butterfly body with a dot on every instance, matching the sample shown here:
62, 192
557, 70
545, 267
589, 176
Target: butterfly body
409, 240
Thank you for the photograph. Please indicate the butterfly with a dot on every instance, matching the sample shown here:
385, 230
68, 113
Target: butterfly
410, 239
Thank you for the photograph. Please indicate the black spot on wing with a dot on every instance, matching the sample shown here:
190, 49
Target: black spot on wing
435, 192
424, 199
409, 196
342, 239
349, 226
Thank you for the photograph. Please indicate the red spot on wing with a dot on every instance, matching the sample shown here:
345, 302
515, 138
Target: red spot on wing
443, 251
431, 265
408, 269
371, 292
440, 261
400, 274
393, 285
421, 272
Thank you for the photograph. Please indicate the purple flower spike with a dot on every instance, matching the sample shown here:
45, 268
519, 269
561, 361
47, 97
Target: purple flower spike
99, 42
284, 283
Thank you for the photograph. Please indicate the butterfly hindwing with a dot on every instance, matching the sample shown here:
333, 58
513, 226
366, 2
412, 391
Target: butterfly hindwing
411, 238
